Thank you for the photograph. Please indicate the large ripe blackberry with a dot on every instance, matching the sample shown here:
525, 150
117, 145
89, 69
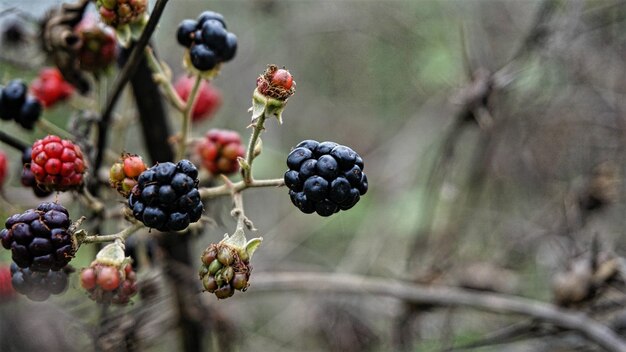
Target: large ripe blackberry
39, 239
166, 197
37, 285
324, 177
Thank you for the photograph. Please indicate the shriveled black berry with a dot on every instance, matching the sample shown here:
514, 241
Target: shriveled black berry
315, 188
297, 156
309, 144
231, 47
185, 31
202, 57
211, 15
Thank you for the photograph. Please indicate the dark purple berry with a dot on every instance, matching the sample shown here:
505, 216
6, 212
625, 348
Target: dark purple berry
308, 169
292, 180
309, 144
324, 148
182, 183
188, 168
154, 217
164, 172
315, 188
202, 57
231, 47
29, 113
12, 99
150, 194
354, 176
344, 156
327, 167
210, 15
297, 156
339, 190
326, 208
185, 31
178, 221
214, 36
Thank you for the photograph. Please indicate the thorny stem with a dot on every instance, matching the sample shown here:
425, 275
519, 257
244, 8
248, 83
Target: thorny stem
187, 112
257, 128
228, 189
122, 235
162, 79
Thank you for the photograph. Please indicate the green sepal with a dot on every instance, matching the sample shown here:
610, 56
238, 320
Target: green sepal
124, 35
268, 106
113, 254
240, 243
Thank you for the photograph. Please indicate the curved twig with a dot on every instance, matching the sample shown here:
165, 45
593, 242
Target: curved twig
442, 296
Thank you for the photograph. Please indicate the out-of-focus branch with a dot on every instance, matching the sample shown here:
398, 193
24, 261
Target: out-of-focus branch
441, 296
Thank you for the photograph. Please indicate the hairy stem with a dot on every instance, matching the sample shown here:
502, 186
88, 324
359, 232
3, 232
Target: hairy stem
187, 112
228, 189
257, 128
162, 79
122, 235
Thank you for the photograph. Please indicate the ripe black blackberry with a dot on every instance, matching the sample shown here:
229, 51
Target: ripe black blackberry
166, 196
207, 39
16, 104
38, 286
324, 177
39, 239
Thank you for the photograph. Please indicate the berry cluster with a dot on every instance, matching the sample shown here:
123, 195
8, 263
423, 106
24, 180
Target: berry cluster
123, 174
276, 83
208, 40
219, 151
166, 196
16, 104
3, 167
6, 287
223, 271
109, 284
324, 177
28, 178
57, 164
208, 99
120, 12
50, 87
36, 285
39, 239
98, 45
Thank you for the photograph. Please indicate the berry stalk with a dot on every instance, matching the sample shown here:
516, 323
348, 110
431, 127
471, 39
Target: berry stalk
82, 237
161, 78
187, 112
246, 167
224, 190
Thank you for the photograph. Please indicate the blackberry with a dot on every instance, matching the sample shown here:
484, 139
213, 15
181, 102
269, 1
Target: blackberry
208, 41
12, 99
39, 239
166, 196
324, 177
30, 112
38, 285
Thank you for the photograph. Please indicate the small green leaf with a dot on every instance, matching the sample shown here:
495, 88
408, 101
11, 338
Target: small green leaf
252, 246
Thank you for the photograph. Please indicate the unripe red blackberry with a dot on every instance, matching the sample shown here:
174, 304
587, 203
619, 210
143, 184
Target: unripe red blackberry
57, 164
276, 83
208, 99
50, 87
324, 177
166, 196
39, 238
110, 277
36, 285
124, 174
219, 151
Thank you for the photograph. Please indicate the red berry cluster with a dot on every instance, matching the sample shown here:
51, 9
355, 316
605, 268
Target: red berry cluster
109, 284
57, 163
123, 174
98, 48
3, 167
208, 99
50, 87
119, 12
219, 151
276, 83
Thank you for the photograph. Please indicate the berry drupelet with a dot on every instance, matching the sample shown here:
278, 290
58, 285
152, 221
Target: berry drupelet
166, 196
38, 285
106, 283
324, 177
16, 104
39, 239
207, 39
123, 174
223, 270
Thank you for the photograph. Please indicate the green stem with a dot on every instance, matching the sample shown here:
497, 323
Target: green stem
258, 127
187, 112
228, 189
122, 235
51, 128
162, 78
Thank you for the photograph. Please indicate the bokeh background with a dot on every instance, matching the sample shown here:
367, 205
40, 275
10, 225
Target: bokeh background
488, 130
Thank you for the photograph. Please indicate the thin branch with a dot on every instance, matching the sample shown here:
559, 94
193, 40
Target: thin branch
185, 129
123, 78
122, 235
228, 189
441, 296
161, 78
13, 142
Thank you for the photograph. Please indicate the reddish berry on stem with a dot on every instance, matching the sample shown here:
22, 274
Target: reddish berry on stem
207, 102
57, 164
50, 87
282, 78
219, 151
108, 278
